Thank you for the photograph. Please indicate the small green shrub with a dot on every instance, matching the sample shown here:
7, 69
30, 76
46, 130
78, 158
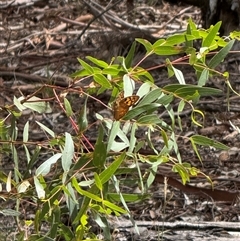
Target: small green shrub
79, 179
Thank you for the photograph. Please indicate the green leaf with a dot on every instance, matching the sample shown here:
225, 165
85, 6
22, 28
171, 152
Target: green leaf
97, 62
45, 128
113, 133
158, 43
165, 137
34, 103
9, 182
68, 153
114, 207
148, 46
103, 224
45, 167
203, 77
165, 99
128, 85
10, 212
80, 73
182, 172
130, 55
140, 109
18, 104
100, 150
98, 181
193, 116
82, 120
113, 70
109, 172
133, 139
86, 66
207, 42
26, 132
102, 80
149, 119
39, 188
179, 39
196, 150
205, 141
219, 57
179, 75
127, 197
193, 57
169, 50
68, 107
184, 90
150, 97
22, 188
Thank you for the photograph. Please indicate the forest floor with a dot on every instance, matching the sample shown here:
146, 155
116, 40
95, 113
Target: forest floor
40, 44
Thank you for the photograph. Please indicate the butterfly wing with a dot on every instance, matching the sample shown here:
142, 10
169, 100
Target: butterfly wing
122, 106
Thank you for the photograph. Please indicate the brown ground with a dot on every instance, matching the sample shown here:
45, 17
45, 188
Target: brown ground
40, 43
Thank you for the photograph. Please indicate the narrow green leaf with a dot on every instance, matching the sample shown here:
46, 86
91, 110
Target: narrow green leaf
98, 181
45, 128
165, 137
207, 42
68, 107
68, 153
127, 197
86, 66
169, 50
193, 57
178, 39
39, 188
45, 167
140, 109
128, 85
109, 172
150, 97
102, 80
10, 212
114, 207
100, 150
219, 57
22, 188
130, 55
103, 224
113, 133
205, 141
149, 119
36, 104
158, 43
179, 75
82, 120
203, 77
148, 46
195, 149
119, 146
184, 90
97, 62
9, 183
88, 194
18, 104
144, 89
26, 132
80, 73
113, 70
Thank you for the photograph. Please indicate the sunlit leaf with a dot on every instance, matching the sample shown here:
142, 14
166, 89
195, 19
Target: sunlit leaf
39, 188
45, 167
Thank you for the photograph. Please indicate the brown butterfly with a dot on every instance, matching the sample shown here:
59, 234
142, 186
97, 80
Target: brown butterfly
122, 105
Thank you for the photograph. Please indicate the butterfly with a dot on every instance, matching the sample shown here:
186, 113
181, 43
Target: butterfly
122, 105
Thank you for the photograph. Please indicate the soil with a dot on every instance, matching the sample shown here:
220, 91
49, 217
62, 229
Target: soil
40, 42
